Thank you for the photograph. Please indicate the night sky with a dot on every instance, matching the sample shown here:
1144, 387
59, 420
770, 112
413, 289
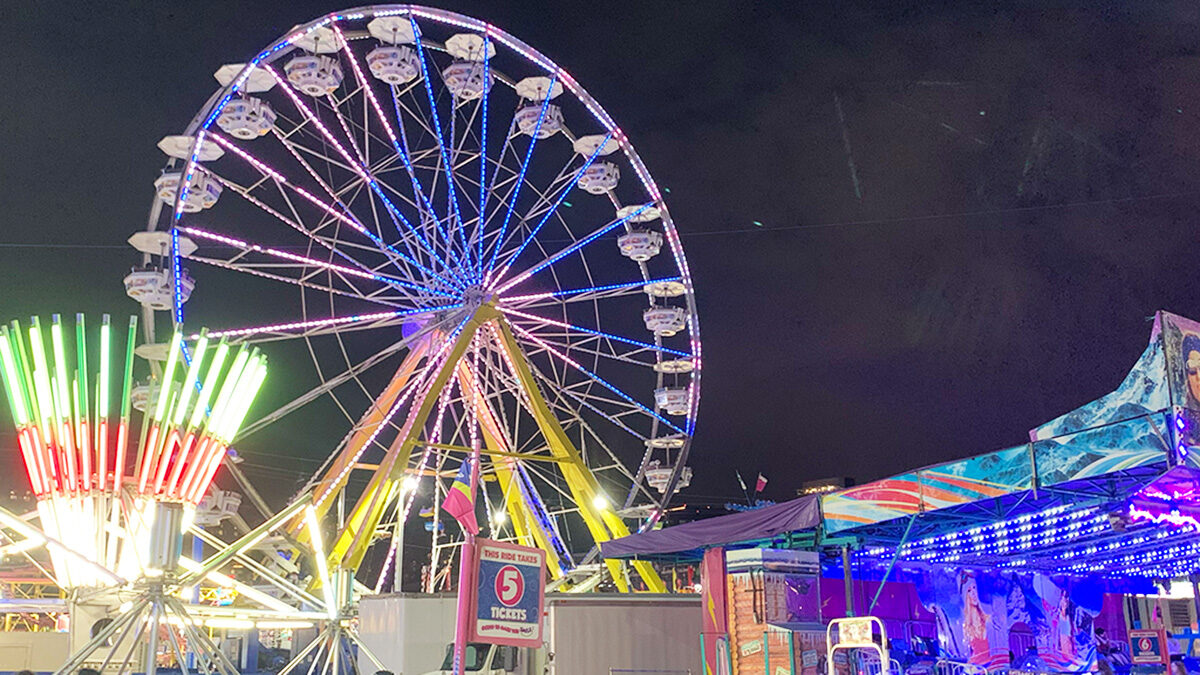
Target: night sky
1027, 178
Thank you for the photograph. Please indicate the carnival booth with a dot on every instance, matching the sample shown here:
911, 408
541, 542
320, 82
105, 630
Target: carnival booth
1049, 556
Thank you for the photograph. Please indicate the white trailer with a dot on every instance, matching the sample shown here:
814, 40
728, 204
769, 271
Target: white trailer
586, 634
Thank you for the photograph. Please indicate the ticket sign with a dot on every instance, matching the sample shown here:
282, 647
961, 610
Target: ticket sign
511, 593
1148, 646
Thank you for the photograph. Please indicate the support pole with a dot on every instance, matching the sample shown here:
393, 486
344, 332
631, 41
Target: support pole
892, 564
466, 584
847, 580
151, 664
466, 570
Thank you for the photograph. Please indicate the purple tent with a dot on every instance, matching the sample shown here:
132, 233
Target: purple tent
798, 514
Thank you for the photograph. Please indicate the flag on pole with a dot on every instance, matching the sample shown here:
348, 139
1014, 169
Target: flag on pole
762, 483
744, 490
459, 501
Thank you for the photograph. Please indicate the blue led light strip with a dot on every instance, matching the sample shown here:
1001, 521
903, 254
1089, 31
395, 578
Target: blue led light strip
512, 202
595, 377
598, 333
546, 216
593, 289
483, 191
572, 248
437, 128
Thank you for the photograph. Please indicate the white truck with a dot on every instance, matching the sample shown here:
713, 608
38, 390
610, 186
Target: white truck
585, 634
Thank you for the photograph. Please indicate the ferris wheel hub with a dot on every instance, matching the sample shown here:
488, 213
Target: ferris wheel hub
477, 296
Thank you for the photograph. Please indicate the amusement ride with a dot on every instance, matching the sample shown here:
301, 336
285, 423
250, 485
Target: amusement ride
479, 265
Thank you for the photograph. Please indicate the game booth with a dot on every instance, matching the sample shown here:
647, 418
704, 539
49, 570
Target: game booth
1077, 551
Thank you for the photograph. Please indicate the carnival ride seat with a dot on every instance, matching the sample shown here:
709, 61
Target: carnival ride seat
247, 118
640, 245
1021, 641
665, 321
394, 65
674, 400
314, 75
599, 178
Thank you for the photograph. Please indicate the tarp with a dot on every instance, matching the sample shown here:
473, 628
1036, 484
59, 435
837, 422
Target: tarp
798, 514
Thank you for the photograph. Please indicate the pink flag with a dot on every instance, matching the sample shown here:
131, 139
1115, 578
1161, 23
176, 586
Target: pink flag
459, 501
762, 483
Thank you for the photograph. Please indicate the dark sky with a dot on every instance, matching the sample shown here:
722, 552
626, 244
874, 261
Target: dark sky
1028, 177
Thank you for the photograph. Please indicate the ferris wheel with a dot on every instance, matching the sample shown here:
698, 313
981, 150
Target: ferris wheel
476, 259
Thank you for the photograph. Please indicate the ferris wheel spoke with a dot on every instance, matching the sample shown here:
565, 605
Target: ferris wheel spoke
315, 327
331, 382
483, 126
358, 169
288, 280
612, 225
591, 331
533, 139
565, 342
599, 380
589, 294
452, 197
589, 401
454, 151
546, 217
247, 247
348, 219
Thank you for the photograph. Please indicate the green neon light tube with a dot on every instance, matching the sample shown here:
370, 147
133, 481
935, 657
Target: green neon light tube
164, 387
127, 384
191, 380
210, 384
82, 374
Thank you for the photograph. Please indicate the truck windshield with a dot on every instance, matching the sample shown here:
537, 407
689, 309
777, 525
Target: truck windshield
474, 658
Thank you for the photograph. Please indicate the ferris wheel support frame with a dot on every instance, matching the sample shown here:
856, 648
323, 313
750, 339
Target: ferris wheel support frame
363, 520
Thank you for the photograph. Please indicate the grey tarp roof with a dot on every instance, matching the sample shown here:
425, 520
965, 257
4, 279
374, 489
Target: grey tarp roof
798, 514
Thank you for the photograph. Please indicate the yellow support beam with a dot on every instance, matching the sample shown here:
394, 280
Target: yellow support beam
336, 476
601, 522
355, 538
528, 530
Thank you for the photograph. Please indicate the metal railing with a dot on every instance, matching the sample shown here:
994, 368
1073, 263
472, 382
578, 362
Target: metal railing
948, 667
867, 663
614, 671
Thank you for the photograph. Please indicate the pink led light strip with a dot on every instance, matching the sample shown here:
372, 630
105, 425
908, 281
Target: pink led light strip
317, 323
247, 246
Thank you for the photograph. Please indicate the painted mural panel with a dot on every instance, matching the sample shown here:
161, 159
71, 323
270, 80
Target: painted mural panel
1141, 441
982, 477
1029, 621
1181, 343
1146, 389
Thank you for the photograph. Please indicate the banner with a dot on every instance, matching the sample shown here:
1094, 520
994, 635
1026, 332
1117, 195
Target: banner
714, 620
1000, 619
510, 594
